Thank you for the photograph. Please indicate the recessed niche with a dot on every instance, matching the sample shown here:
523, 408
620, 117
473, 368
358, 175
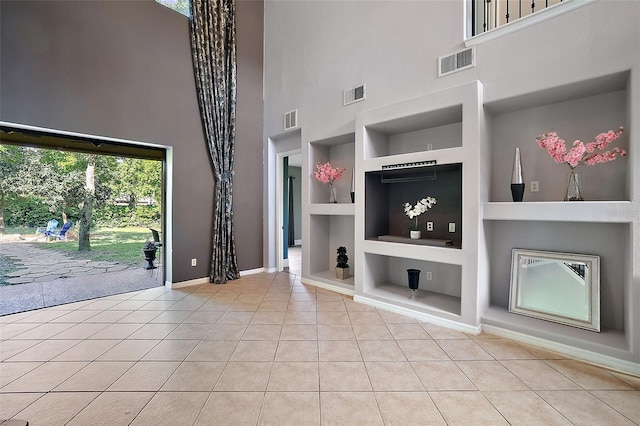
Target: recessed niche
340, 152
597, 107
421, 132
613, 242
384, 206
328, 232
386, 276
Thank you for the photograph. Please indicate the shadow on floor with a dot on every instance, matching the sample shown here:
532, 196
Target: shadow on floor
37, 295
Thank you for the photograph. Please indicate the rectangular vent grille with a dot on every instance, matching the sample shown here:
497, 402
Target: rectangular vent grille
456, 62
355, 94
291, 119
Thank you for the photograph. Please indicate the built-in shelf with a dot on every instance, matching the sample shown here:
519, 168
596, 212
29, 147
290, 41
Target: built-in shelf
561, 211
436, 254
609, 342
339, 151
339, 209
327, 279
426, 301
417, 241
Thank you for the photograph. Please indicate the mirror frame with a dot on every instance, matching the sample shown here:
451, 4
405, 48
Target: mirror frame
592, 284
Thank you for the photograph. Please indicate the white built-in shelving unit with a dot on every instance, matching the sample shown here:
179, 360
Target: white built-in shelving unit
605, 225
461, 128
444, 127
328, 226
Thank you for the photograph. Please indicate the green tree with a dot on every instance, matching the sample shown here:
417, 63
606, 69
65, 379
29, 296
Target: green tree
138, 178
12, 160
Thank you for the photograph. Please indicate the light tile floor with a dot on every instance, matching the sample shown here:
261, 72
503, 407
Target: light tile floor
267, 350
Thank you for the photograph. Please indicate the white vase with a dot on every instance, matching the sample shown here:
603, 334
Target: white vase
415, 235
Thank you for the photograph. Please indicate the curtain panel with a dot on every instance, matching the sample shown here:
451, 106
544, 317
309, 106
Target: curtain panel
213, 48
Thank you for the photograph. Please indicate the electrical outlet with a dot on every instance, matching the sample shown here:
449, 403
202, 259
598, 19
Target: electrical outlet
429, 276
535, 186
452, 227
429, 226
194, 262
429, 147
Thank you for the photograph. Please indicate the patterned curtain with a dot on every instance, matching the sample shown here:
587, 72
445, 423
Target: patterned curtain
213, 47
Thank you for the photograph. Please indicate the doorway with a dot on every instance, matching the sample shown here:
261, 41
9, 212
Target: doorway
125, 276
289, 211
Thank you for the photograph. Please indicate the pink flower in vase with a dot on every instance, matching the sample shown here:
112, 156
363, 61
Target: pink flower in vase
327, 174
576, 155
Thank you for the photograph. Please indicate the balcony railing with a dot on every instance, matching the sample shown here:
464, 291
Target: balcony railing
491, 14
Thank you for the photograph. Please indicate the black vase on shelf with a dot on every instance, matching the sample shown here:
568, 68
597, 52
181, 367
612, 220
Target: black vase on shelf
413, 275
517, 183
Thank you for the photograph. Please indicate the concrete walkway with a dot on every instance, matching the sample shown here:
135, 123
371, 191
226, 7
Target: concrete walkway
48, 278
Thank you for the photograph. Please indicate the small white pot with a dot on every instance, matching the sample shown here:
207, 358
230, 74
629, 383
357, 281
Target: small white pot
415, 235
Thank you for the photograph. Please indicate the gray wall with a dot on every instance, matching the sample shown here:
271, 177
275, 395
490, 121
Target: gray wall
123, 69
316, 49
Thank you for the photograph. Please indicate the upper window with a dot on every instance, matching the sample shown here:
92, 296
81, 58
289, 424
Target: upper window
181, 6
490, 14
487, 18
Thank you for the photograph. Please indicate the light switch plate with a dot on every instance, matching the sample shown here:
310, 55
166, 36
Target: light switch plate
452, 227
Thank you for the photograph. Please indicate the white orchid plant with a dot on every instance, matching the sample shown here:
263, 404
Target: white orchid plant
422, 206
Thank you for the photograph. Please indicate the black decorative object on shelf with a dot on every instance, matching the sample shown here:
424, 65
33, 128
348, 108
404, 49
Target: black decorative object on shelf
517, 182
342, 264
413, 275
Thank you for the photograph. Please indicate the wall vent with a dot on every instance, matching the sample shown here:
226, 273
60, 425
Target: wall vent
291, 119
355, 94
457, 61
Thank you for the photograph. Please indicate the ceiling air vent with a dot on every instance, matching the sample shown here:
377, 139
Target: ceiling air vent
456, 61
355, 94
291, 119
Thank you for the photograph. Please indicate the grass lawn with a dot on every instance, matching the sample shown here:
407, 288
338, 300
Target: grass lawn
123, 245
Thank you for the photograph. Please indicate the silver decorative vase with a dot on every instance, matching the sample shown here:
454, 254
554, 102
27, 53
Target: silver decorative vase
352, 189
517, 182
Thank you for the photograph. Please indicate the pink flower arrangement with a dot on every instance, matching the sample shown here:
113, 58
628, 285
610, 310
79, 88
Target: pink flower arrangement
327, 174
576, 155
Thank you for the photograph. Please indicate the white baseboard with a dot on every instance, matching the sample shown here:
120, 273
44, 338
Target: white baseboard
252, 271
465, 328
592, 357
326, 286
187, 283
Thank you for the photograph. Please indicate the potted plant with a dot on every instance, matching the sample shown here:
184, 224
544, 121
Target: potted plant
342, 265
149, 250
422, 206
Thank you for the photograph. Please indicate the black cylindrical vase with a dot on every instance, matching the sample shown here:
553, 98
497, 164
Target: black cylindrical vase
517, 192
414, 278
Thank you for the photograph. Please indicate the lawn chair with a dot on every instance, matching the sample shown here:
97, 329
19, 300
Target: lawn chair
51, 226
62, 233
